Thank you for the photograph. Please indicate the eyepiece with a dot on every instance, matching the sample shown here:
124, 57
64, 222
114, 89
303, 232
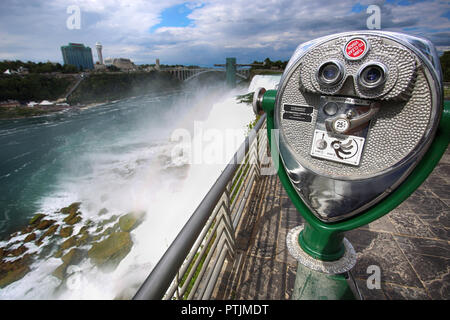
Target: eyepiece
330, 73
372, 75
257, 101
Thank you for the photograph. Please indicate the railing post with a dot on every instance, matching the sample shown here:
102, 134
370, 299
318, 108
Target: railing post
258, 161
178, 285
228, 213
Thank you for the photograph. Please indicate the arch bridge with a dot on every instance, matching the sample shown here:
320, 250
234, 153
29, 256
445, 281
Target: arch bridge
186, 74
230, 68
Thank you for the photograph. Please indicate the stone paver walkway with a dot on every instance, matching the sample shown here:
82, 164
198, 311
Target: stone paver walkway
410, 245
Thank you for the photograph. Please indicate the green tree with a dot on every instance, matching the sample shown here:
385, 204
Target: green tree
69, 68
113, 68
268, 64
32, 87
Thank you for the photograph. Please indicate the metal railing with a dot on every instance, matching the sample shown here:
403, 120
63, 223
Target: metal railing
191, 266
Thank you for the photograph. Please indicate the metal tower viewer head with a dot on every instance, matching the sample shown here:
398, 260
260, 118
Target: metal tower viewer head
361, 124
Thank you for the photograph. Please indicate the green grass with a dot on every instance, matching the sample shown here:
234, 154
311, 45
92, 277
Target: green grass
199, 267
245, 98
237, 183
252, 124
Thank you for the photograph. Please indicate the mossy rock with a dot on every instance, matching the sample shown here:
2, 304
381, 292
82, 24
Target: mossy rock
30, 237
66, 232
131, 220
47, 233
83, 230
84, 239
17, 252
88, 223
71, 242
109, 252
60, 272
50, 231
44, 224
107, 221
36, 218
74, 207
47, 250
73, 218
72, 215
108, 231
13, 275
14, 270
116, 227
74, 256
27, 229
103, 211
59, 253
97, 237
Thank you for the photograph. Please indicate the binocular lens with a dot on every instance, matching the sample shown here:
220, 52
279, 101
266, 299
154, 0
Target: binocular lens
372, 76
330, 73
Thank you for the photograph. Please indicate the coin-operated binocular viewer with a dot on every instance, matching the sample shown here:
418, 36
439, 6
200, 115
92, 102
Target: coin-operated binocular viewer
361, 123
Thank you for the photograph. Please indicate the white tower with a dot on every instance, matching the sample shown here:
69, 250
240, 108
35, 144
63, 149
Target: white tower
99, 52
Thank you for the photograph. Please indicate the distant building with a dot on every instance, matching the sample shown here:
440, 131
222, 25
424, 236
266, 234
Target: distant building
20, 70
23, 70
78, 55
99, 52
121, 63
99, 67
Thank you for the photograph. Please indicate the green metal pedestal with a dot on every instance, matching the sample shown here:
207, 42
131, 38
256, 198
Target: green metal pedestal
315, 285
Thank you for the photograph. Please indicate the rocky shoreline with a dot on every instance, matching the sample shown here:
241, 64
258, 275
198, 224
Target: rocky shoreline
27, 112
72, 239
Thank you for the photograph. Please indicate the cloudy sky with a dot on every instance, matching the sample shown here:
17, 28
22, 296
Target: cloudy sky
202, 32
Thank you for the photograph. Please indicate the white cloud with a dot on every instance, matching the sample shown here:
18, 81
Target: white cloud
246, 29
